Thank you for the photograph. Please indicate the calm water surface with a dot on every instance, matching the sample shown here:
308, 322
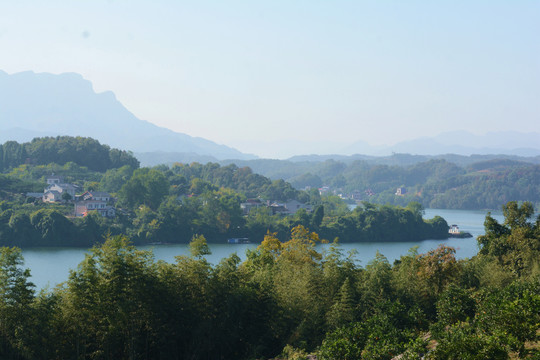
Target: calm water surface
50, 266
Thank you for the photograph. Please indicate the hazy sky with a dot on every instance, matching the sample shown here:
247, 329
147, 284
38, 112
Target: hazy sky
249, 73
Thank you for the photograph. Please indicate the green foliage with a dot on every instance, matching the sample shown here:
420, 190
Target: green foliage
286, 299
455, 305
113, 179
64, 149
461, 341
198, 247
16, 296
516, 242
146, 187
279, 190
346, 343
242, 180
385, 334
511, 315
83, 151
435, 183
370, 222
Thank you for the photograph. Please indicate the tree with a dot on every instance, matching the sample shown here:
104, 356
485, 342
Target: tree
317, 217
114, 179
16, 295
438, 268
516, 242
146, 186
343, 310
66, 196
198, 247
345, 343
113, 301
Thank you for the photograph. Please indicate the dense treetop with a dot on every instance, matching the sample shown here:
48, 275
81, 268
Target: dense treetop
286, 300
63, 149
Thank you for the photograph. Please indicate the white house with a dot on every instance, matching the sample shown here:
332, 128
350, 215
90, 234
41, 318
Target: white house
250, 204
61, 188
83, 207
51, 196
55, 179
293, 206
401, 191
454, 229
96, 195
94, 201
289, 208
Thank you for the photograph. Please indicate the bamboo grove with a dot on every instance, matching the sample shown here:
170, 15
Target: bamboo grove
286, 300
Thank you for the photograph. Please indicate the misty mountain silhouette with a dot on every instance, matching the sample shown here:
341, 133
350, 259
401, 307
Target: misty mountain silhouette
43, 104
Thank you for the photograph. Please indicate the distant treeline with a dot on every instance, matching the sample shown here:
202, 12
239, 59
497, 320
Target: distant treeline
287, 300
435, 183
63, 149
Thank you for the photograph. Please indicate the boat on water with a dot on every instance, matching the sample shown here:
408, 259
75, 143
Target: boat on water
238, 241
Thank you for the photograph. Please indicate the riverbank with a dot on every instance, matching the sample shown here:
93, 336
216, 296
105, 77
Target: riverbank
50, 266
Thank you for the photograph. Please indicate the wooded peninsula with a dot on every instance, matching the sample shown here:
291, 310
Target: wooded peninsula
67, 191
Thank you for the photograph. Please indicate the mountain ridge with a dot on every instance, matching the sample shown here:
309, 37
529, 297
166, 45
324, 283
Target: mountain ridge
49, 105
43, 104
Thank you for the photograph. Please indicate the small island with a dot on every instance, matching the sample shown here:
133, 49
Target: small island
455, 232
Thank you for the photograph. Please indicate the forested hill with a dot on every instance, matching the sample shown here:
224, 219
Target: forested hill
443, 181
486, 183
60, 150
172, 204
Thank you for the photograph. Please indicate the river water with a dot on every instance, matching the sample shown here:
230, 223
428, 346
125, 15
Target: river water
51, 266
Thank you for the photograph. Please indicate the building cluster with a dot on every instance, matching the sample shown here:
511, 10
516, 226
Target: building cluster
58, 191
275, 207
355, 195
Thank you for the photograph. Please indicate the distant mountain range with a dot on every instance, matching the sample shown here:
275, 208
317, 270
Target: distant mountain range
458, 142
42, 104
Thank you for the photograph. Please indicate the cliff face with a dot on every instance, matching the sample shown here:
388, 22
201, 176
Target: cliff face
45, 104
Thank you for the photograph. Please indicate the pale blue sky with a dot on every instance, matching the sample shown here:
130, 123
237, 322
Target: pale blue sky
249, 73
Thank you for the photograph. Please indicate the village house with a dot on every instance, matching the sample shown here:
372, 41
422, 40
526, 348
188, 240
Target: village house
51, 196
83, 207
324, 190
96, 195
289, 208
94, 201
357, 195
62, 188
454, 229
278, 209
250, 204
56, 190
293, 206
401, 191
55, 179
